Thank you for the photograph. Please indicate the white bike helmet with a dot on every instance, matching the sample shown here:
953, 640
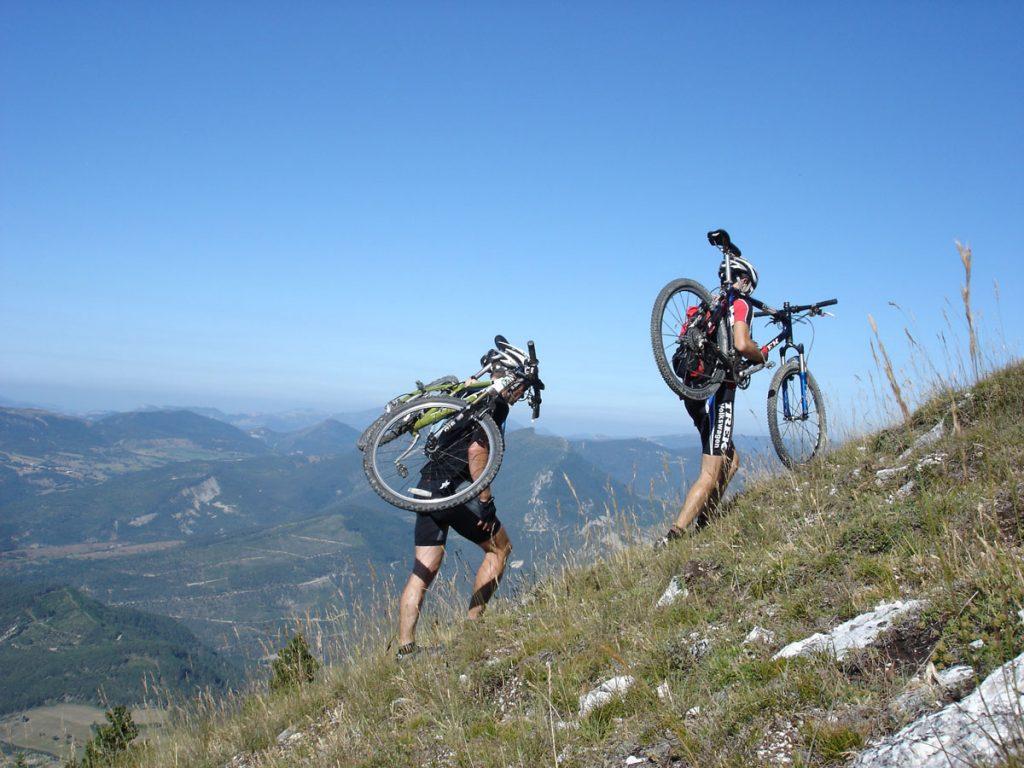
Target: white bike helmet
739, 264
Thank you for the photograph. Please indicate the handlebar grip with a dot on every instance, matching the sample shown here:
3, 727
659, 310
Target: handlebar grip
533, 351
828, 303
763, 314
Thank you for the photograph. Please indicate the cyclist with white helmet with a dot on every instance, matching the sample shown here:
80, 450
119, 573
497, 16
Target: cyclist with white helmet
713, 417
475, 520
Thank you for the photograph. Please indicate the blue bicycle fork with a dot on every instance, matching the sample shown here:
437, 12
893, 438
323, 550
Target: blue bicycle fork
787, 415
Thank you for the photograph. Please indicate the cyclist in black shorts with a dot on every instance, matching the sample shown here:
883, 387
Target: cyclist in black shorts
713, 417
475, 520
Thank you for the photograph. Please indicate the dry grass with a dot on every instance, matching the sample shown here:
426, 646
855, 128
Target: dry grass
887, 367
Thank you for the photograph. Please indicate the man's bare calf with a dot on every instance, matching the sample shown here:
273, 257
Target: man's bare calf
488, 576
707, 490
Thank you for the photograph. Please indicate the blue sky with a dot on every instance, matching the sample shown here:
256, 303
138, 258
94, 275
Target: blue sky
248, 206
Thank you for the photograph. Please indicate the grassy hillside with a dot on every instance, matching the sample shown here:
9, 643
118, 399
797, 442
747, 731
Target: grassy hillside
794, 554
59, 645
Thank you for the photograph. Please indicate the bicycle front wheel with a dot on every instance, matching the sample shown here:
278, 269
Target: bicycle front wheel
796, 415
686, 359
407, 471
368, 433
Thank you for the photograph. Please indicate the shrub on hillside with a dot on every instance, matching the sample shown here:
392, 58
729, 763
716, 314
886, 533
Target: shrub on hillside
108, 740
294, 665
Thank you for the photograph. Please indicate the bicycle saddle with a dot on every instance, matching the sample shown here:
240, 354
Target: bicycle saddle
720, 239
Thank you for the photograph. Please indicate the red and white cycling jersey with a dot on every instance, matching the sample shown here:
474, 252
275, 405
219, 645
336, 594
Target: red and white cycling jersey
740, 311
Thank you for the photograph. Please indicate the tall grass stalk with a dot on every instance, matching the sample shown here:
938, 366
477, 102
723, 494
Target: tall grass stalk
965, 293
887, 367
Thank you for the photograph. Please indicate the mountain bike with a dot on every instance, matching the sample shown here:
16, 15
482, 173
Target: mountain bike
693, 348
431, 432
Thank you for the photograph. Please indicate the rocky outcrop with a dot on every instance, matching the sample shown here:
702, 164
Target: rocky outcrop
857, 633
986, 726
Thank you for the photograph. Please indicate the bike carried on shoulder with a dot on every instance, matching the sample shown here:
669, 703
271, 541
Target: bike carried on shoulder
433, 426
693, 348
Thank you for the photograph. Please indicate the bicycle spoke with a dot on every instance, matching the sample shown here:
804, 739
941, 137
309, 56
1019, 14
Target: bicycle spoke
408, 451
800, 436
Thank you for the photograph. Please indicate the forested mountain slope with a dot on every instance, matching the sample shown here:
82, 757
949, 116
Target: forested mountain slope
56, 644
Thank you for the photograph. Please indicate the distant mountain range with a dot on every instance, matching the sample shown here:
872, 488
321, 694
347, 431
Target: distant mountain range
235, 533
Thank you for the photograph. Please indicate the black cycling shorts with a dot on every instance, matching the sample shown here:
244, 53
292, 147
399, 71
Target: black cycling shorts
440, 474
432, 527
713, 418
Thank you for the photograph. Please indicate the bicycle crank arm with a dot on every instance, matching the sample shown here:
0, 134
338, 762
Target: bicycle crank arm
746, 373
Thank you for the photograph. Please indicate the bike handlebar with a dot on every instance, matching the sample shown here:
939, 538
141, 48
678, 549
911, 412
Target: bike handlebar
535, 400
793, 308
815, 305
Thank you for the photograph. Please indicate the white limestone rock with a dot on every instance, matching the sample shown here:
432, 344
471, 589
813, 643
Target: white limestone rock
971, 732
674, 591
857, 633
932, 690
604, 693
956, 682
930, 437
931, 460
884, 475
759, 636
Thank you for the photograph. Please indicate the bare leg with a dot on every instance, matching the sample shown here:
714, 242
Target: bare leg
496, 552
711, 470
731, 465
428, 561
478, 454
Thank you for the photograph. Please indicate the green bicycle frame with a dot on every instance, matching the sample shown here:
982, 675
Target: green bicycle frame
434, 415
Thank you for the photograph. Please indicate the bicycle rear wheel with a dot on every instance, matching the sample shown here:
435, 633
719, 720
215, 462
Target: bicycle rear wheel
678, 304
402, 471
797, 435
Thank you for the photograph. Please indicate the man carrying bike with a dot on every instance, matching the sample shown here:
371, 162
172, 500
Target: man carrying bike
713, 417
475, 520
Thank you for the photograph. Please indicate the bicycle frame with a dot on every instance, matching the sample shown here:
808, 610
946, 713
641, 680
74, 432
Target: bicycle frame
741, 377
436, 414
785, 339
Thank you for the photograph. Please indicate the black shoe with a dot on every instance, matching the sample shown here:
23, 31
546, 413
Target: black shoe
672, 535
406, 652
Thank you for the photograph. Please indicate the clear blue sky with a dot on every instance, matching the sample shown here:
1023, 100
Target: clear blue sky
258, 205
